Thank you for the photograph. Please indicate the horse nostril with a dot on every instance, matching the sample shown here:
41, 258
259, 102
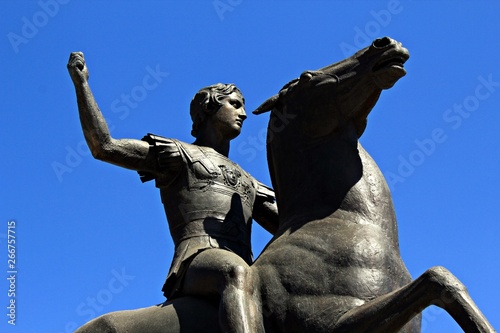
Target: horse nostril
382, 42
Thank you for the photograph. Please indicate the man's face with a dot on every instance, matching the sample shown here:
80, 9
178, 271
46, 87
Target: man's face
228, 120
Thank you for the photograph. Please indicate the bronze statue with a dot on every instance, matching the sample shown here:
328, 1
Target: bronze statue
333, 264
209, 200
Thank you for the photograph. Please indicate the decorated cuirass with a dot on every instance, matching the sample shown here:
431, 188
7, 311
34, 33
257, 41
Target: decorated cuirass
208, 194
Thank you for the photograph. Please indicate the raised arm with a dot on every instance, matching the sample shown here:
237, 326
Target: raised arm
127, 153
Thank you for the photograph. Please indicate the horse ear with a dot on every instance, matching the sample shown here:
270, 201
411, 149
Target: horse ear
267, 105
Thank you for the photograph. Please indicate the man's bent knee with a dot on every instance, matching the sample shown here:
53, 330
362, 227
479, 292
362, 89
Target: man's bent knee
240, 277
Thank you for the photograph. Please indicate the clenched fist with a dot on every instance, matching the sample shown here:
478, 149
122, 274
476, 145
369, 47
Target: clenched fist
77, 68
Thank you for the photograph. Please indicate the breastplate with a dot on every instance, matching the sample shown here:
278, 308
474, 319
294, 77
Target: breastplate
211, 196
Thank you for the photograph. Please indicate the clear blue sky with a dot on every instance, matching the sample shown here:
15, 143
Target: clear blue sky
91, 238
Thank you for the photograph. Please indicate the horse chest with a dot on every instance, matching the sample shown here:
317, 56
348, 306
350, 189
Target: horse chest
369, 200
334, 257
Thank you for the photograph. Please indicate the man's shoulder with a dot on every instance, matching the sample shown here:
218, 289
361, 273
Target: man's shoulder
164, 144
158, 140
167, 154
154, 139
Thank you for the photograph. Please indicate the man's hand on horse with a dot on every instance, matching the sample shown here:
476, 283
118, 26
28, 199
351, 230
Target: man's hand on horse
77, 68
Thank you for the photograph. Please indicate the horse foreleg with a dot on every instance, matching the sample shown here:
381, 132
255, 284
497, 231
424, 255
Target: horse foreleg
186, 314
390, 312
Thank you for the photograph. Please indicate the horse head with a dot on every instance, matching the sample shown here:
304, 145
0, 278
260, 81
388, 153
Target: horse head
323, 113
344, 90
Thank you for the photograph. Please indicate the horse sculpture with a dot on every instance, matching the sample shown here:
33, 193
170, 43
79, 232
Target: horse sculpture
335, 264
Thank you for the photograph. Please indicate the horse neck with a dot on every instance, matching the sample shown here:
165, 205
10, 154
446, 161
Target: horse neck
312, 177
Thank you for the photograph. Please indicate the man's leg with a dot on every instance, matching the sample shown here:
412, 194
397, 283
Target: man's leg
184, 314
216, 272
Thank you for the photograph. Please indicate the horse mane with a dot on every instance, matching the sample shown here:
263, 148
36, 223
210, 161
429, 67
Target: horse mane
271, 102
274, 101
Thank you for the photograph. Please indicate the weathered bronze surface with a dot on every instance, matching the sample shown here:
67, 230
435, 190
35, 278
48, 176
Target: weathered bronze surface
333, 264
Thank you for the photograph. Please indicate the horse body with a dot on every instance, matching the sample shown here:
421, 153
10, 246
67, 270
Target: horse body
335, 264
337, 245
329, 263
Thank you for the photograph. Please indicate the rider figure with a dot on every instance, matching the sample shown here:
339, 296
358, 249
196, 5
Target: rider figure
209, 200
